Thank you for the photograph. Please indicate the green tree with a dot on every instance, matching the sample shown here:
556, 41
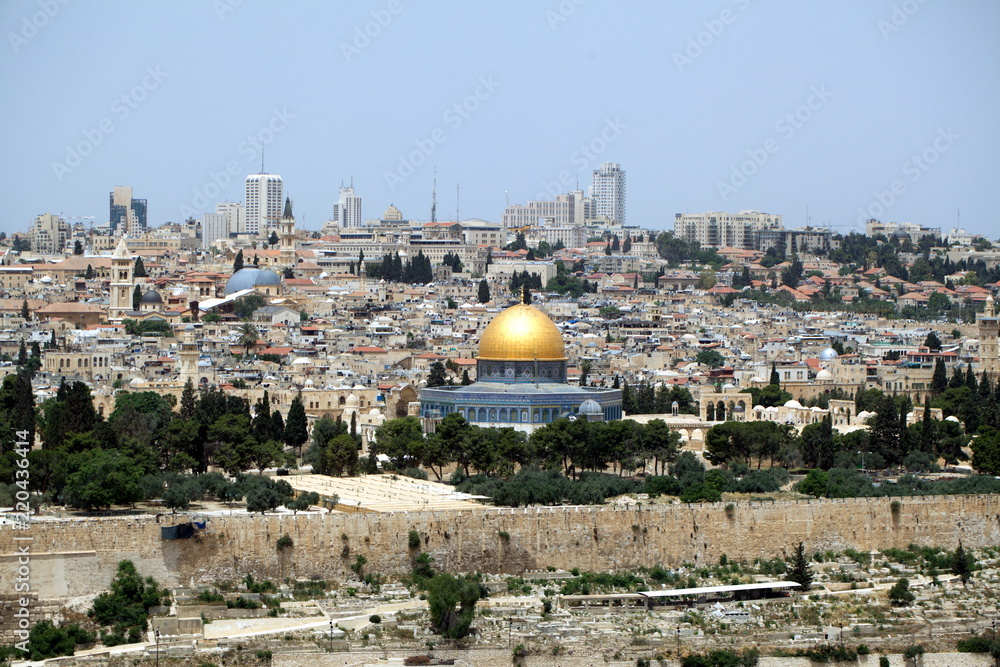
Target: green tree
297, 425
238, 262
939, 382
105, 478
986, 451
962, 564
139, 270
89, 275
245, 306
402, 440
247, 336
273, 239
47, 640
339, 456
710, 358
452, 601
125, 608
484, 292
25, 311
932, 342
800, 571
900, 593
775, 378
437, 376
77, 247
136, 297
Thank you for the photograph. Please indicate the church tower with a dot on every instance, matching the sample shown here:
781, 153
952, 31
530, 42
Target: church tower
989, 329
287, 234
121, 282
189, 355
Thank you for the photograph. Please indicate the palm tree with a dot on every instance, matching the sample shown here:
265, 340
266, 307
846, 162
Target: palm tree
248, 335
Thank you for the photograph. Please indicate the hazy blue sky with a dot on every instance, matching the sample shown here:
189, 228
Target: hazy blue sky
855, 107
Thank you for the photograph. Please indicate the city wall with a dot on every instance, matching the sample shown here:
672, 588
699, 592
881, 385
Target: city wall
77, 557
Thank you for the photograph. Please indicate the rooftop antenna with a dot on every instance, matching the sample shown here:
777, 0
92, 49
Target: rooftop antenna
434, 197
262, 160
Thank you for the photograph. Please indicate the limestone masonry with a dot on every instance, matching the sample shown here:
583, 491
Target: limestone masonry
77, 557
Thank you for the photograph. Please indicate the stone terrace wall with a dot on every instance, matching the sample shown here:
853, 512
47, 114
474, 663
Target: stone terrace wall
77, 557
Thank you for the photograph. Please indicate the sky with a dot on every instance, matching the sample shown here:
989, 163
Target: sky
826, 113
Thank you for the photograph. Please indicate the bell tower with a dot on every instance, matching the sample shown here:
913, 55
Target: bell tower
989, 329
121, 282
287, 233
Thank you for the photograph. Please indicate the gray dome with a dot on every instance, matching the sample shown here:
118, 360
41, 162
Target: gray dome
152, 296
250, 277
591, 407
829, 354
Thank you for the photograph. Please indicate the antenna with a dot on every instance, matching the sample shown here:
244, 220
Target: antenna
434, 197
262, 160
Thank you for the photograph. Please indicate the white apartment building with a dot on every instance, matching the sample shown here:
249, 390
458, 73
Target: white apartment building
913, 230
214, 226
264, 199
236, 217
716, 229
568, 209
607, 189
347, 211
49, 233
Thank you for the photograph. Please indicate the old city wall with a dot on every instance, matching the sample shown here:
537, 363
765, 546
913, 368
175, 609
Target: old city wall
70, 558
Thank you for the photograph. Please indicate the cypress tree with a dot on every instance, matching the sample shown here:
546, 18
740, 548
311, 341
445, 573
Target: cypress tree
961, 564
927, 428
800, 572
238, 262
297, 425
136, 297
775, 378
139, 271
940, 380
484, 291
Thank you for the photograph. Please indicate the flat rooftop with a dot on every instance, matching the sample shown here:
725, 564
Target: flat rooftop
384, 493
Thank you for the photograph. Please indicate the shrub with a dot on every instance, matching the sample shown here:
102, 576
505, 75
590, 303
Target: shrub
375, 618
284, 542
414, 540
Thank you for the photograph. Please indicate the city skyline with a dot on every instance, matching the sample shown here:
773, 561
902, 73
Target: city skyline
860, 110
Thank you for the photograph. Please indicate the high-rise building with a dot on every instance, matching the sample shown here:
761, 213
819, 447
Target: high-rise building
607, 189
236, 216
127, 215
347, 211
49, 233
214, 226
264, 195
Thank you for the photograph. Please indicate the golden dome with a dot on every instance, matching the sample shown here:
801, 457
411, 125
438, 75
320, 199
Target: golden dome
521, 332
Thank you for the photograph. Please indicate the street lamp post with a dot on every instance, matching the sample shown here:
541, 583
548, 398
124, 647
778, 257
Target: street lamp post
678, 641
156, 633
331, 635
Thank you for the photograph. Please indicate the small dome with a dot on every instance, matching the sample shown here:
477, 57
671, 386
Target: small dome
793, 404
353, 401
152, 296
829, 354
824, 375
729, 385
591, 407
952, 418
739, 408
374, 412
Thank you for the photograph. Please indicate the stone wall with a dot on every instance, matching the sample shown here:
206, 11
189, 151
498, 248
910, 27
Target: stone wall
71, 558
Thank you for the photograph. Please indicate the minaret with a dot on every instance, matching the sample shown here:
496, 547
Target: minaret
287, 234
189, 354
121, 281
989, 329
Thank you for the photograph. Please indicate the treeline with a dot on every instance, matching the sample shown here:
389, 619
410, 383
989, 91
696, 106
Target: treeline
91, 462
570, 446
687, 478
647, 399
393, 269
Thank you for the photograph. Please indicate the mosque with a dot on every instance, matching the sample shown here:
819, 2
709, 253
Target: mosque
520, 379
